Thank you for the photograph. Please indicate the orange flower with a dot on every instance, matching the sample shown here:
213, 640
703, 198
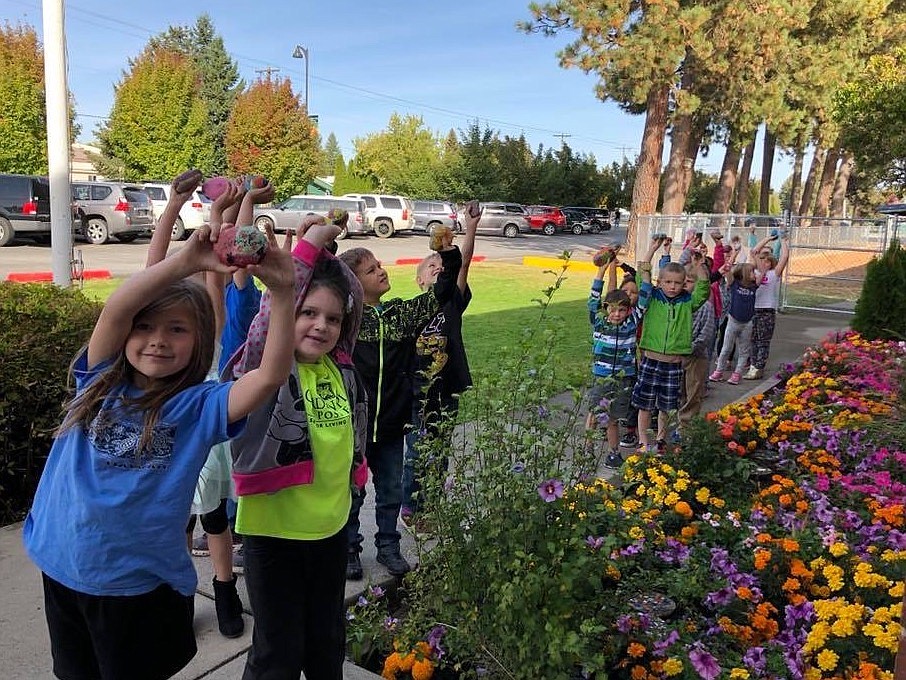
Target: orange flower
639, 673
682, 508
789, 545
762, 558
744, 593
636, 649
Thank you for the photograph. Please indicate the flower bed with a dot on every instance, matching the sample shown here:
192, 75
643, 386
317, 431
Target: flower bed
771, 544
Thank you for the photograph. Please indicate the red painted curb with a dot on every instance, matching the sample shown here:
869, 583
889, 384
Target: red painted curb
416, 260
38, 277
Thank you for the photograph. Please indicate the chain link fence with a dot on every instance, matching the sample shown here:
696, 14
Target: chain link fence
828, 256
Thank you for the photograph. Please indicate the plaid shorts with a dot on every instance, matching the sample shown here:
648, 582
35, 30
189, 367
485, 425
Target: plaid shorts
658, 385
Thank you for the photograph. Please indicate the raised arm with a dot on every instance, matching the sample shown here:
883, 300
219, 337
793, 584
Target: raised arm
784, 255
467, 247
644, 265
180, 191
252, 198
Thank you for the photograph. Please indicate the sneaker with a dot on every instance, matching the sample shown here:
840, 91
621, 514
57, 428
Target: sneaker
753, 373
391, 558
238, 561
629, 439
228, 607
734, 378
614, 460
717, 376
661, 446
354, 567
200, 546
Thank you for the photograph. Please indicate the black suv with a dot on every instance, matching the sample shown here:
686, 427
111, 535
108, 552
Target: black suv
24, 207
598, 218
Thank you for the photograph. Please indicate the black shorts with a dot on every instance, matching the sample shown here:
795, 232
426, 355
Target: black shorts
145, 637
617, 390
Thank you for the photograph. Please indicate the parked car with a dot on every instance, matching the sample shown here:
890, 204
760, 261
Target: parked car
577, 221
106, 209
387, 214
24, 207
289, 213
193, 214
546, 218
431, 214
597, 218
502, 219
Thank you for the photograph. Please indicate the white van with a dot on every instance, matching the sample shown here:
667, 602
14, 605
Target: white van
387, 214
288, 214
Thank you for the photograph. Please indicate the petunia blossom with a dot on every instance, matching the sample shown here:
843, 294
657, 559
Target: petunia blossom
550, 490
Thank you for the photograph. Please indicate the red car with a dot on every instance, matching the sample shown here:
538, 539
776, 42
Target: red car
545, 218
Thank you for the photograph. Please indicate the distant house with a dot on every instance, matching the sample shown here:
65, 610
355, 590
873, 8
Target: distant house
81, 168
321, 186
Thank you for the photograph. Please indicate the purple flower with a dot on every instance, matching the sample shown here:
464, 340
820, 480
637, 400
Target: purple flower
376, 591
349, 615
703, 663
755, 658
624, 624
518, 467
660, 647
550, 490
390, 622
543, 412
434, 637
361, 602
594, 542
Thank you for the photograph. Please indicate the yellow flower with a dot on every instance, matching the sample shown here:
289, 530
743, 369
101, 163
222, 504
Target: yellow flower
839, 549
702, 495
673, 666
636, 533
827, 660
740, 673
897, 590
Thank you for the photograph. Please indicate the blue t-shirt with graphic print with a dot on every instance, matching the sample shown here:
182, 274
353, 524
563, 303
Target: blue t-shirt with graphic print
110, 520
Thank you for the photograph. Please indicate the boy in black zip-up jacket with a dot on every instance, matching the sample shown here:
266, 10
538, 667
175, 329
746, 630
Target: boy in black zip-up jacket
384, 356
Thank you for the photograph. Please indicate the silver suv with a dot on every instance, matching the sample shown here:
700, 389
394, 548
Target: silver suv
108, 209
289, 213
387, 214
503, 219
431, 214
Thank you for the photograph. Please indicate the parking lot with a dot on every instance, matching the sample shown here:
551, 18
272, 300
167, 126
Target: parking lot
122, 259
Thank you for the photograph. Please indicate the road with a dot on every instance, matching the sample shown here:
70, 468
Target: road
122, 259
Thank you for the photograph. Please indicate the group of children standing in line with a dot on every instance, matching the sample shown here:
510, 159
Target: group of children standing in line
316, 385
653, 345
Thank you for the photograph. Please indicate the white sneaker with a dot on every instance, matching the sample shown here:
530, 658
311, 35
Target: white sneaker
753, 373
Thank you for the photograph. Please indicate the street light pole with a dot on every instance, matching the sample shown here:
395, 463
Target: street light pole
302, 53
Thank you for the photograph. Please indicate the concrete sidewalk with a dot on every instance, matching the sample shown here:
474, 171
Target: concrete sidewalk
24, 645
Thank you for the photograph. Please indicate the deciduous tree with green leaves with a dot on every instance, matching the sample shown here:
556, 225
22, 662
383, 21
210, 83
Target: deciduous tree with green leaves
269, 133
401, 159
159, 124
23, 122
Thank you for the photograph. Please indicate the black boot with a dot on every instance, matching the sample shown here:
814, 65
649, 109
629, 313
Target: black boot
229, 608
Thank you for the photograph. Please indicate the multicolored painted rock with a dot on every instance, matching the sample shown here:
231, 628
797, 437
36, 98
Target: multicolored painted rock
240, 246
338, 216
254, 182
604, 256
215, 186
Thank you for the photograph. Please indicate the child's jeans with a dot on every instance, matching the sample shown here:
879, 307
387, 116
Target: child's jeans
740, 335
385, 460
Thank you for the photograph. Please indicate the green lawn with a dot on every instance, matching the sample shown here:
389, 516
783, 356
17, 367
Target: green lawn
501, 311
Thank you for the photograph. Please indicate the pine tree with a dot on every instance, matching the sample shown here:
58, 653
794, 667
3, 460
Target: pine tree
332, 154
881, 307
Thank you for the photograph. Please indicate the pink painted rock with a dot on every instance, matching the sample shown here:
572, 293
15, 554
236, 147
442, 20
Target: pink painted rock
240, 246
215, 186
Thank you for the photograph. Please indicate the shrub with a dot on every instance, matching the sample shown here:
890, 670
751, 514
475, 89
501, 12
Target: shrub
881, 308
41, 329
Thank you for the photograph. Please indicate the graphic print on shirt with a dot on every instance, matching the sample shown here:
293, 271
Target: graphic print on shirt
290, 428
433, 343
116, 440
326, 408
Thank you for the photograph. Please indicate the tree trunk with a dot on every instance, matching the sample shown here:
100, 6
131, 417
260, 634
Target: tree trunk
767, 169
808, 191
796, 185
674, 198
742, 182
727, 180
840, 186
648, 168
826, 185
695, 141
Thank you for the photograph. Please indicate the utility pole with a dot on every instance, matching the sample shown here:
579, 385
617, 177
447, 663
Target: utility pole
268, 71
563, 137
58, 150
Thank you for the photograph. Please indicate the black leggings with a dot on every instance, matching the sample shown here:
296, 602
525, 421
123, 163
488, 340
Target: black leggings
214, 522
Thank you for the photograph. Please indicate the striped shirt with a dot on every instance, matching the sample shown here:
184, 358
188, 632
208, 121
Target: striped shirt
614, 345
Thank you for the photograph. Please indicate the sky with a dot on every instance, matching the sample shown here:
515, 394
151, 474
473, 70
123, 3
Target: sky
451, 63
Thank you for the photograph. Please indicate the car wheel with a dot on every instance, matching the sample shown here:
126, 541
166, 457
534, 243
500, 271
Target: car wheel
383, 228
577, 229
96, 231
595, 228
429, 230
511, 231
548, 229
343, 234
6, 231
606, 226
179, 231
126, 238
263, 223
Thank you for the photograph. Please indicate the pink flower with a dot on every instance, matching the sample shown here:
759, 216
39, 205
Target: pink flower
703, 663
550, 490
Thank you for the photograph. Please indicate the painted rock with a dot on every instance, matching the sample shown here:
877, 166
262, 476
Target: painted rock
603, 256
240, 246
215, 186
187, 181
254, 182
439, 236
337, 216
